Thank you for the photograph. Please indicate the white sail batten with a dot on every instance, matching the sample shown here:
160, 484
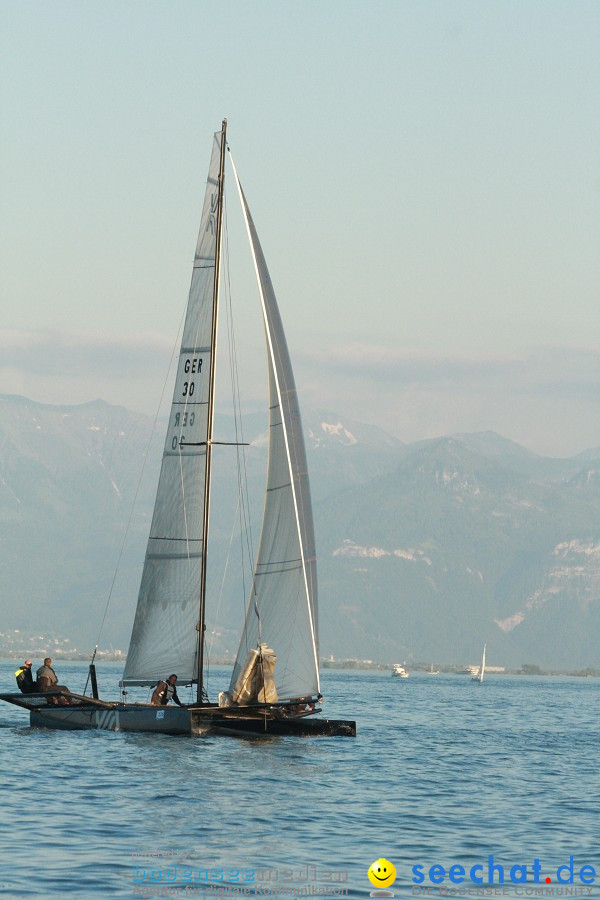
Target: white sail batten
282, 610
165, 635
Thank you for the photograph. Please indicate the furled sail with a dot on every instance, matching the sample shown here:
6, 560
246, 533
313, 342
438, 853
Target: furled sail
165, 635
282, 610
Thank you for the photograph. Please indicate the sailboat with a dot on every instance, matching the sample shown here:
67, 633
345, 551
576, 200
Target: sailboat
275, 684
479, 676
433, 671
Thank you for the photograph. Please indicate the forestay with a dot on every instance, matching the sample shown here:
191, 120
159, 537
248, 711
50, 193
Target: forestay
282, 610
165, 634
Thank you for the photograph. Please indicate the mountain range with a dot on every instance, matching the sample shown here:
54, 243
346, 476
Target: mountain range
426, 551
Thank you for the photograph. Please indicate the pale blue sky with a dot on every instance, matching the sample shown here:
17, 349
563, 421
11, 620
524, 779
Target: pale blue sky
424, 176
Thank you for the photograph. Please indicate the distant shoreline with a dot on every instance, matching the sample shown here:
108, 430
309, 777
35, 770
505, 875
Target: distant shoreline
362, 665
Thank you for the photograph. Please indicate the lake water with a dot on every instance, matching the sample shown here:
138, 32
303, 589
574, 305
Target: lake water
442, 771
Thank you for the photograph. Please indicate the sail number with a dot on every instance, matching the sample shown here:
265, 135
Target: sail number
191, 367
181, 421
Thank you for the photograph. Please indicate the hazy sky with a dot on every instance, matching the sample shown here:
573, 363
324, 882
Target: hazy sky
424, 177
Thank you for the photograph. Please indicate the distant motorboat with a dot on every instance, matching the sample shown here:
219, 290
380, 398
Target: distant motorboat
479, 676
399, 671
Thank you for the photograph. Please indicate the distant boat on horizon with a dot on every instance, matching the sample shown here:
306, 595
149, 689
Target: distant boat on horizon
399, 671
433, 671
479, 676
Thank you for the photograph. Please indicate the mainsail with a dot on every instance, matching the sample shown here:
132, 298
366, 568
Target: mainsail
282, 610
165, 636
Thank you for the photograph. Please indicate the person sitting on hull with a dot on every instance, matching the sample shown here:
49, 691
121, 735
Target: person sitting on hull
47, 680
165, 691
25, 681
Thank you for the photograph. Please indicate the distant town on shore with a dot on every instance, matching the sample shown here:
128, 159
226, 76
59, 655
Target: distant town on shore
17, 644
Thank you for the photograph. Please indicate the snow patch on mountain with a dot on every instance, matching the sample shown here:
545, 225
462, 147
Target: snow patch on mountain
577, 569
335, 430
351, 548
413, 554
587, 548
475, 572
511, 622
457, 481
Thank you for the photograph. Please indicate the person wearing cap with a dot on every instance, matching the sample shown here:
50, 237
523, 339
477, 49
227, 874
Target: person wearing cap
25, 681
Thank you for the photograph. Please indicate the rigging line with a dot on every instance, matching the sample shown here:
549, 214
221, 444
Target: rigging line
227, 290
137, 490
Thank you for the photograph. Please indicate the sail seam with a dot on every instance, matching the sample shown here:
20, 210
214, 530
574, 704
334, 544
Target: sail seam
278, 571
173, 555
190, 403
281, 562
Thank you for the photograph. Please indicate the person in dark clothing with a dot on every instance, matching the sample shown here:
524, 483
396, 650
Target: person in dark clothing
47, 680
25, 681
165, 691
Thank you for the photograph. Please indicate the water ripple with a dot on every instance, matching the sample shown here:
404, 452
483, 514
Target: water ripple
441, 772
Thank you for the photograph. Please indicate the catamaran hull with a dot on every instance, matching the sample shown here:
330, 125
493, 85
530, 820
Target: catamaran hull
176, 721
117, 718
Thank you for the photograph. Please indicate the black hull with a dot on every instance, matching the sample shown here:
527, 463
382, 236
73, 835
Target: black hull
177, 721
88, 714
246, 726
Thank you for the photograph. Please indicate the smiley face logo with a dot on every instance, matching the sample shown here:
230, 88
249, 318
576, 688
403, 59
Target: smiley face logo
382, 873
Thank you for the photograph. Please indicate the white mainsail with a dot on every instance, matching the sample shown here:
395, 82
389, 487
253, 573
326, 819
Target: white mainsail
165, 636
282, 610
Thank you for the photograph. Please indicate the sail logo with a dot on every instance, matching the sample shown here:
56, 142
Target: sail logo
211, 224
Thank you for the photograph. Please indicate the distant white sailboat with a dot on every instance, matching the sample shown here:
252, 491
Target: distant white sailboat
479, 676
433, 671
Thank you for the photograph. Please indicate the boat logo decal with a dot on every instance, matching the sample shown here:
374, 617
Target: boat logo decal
107, 719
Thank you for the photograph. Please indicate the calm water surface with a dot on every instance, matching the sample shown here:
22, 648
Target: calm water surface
442, 771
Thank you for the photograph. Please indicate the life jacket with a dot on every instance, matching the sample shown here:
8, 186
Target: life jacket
25, 681
166, 694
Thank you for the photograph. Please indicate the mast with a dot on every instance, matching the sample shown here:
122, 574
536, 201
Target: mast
211, 392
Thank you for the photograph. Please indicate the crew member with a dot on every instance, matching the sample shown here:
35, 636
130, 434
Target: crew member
165, 691
47, 680
25, 681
